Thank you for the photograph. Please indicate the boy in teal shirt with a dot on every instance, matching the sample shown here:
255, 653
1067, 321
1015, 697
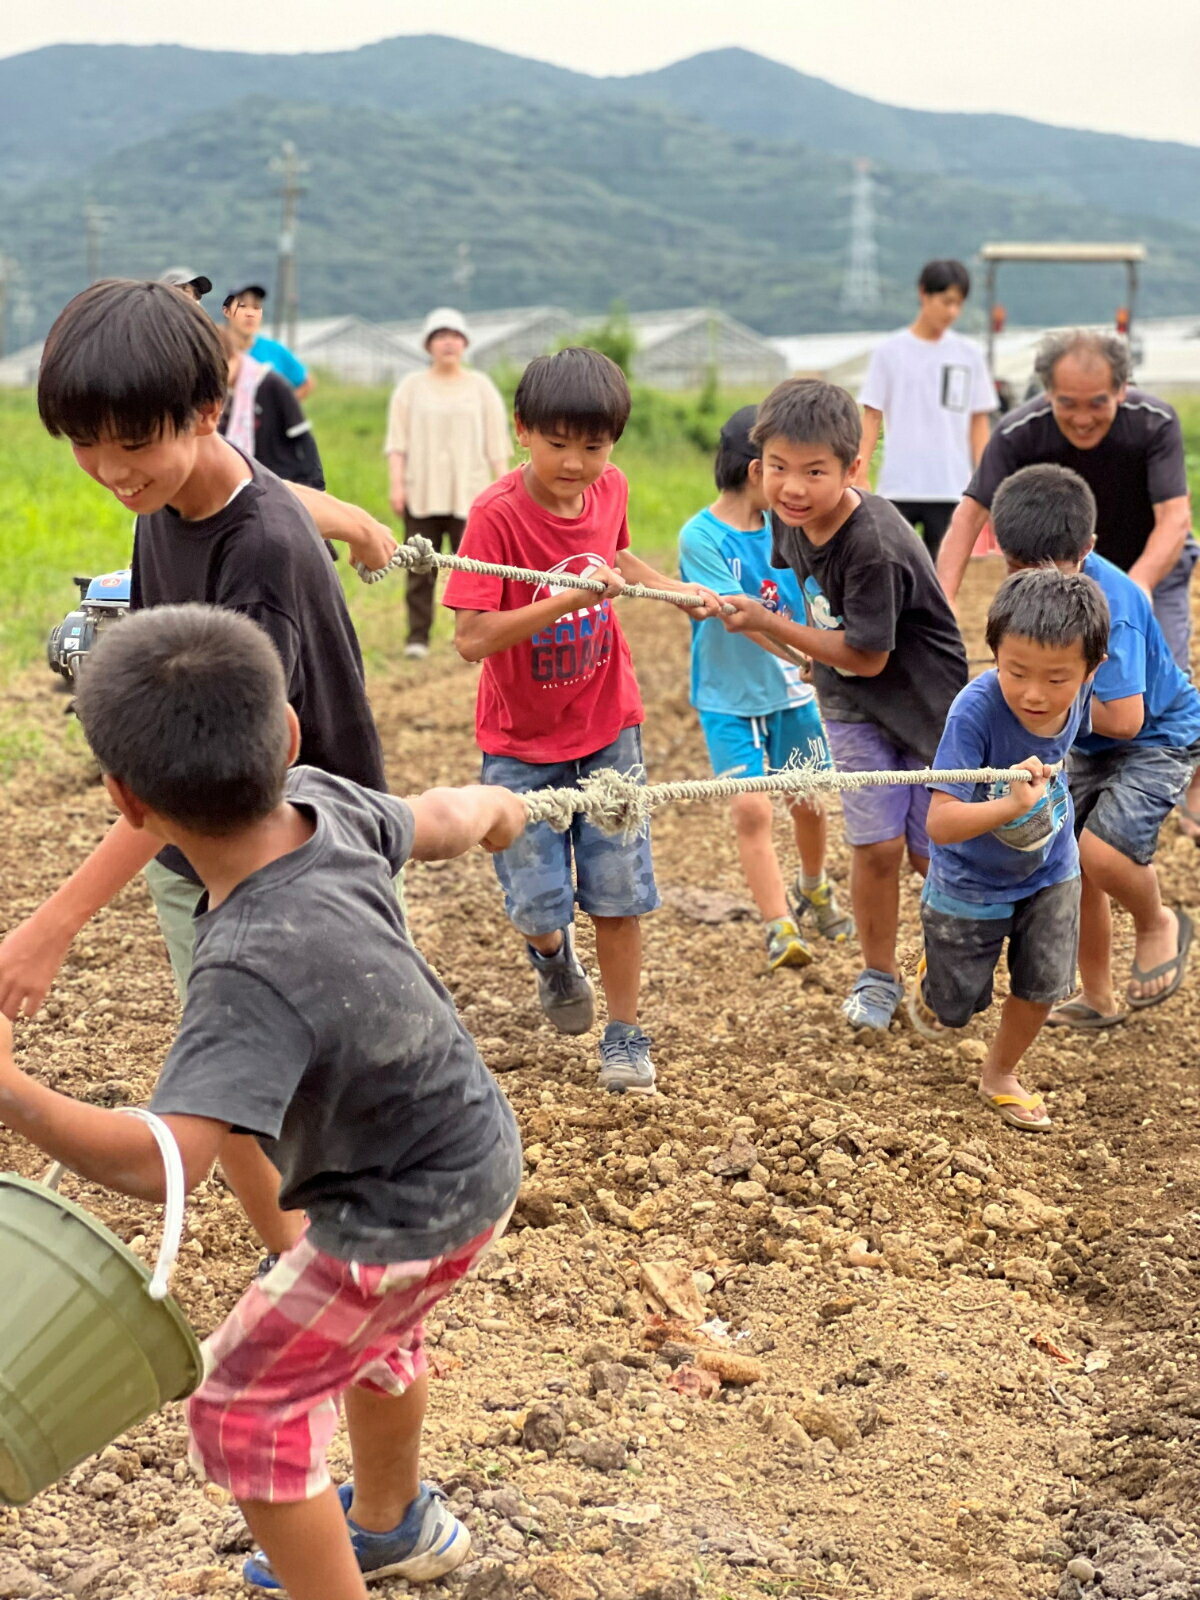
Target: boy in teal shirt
756, 710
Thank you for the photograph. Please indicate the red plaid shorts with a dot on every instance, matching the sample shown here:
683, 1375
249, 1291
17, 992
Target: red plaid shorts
275, 1369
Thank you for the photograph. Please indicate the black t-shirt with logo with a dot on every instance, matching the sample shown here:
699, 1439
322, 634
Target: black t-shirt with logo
874, 582
1138, 463
261, 555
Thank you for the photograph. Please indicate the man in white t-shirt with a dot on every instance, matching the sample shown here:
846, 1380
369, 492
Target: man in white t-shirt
929, 389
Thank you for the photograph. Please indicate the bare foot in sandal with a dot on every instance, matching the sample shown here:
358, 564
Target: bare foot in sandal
1159, 960
1008, 1097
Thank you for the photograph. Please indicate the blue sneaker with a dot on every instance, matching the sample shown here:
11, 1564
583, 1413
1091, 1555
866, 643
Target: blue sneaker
428, 1543
873, 1000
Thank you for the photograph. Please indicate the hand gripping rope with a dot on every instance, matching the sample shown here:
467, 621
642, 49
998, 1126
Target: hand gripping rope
418, 555
618, 803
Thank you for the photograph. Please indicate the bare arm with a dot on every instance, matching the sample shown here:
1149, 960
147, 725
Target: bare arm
1118, 719
478, 634
1172, 520
369, 542
981, 432
33, 952
449, 822
103, 1146
872, 421
396, 464
965, 527
953, 821
820, 644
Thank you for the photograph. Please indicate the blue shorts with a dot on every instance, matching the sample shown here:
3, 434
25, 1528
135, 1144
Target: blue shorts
612, 877
1125, 795
873, 815
750, 747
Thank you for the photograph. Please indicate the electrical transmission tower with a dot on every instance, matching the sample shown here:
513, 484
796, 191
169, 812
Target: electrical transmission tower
287, 291
860, 286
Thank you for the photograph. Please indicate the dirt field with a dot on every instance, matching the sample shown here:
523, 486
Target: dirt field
974, 1351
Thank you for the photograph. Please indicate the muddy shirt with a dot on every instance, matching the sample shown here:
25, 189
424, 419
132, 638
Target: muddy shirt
313, 1022
261, 555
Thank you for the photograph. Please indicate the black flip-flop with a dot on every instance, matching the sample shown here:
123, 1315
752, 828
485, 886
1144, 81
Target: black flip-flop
1078, 1014
1178, 961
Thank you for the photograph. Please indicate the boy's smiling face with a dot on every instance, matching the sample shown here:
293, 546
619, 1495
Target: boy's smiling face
1040, 682
804, 484
149, 475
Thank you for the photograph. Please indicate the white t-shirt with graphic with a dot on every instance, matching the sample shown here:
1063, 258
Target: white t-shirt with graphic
928, 391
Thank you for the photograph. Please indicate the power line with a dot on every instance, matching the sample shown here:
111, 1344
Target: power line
860, 286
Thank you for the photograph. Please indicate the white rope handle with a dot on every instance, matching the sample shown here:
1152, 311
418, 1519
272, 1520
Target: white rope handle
619, 802
172, 1228
418, 555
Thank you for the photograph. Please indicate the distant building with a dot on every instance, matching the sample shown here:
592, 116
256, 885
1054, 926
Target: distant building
679, 349
20, 370
356, 351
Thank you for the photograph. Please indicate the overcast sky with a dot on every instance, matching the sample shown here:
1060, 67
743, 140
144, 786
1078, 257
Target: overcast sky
1126, 66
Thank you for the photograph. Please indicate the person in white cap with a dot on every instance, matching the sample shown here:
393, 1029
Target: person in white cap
194, 284
447, 439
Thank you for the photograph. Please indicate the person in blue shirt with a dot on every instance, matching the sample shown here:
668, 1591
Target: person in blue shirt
1004, 863
757, 711
243, 308
1135, 764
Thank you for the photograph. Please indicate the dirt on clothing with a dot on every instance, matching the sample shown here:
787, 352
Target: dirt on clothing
941, 1357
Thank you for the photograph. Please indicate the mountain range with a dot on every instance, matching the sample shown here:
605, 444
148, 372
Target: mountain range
724, 179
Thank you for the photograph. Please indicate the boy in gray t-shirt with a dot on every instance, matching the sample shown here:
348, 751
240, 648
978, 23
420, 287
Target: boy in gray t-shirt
312, 1023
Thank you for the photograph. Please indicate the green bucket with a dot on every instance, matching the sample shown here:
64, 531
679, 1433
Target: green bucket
90, 1342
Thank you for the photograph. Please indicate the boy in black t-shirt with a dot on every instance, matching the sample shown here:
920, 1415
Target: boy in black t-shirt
133, 374
888, 659
313, 1025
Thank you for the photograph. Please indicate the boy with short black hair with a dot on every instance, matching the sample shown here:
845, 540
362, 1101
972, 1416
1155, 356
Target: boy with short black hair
557, 695
930, 391
1132, 768
312, 1024
757, 712
888, 659
134, 375
1004, 863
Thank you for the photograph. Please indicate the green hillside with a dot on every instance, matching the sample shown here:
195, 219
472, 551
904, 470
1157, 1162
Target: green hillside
573, 205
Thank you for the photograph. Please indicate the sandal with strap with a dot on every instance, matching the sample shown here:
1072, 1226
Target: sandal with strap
1076, 1013
1002, 1105
1176, 964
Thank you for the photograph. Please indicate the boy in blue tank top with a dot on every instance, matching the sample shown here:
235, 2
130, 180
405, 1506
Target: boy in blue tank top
757, 711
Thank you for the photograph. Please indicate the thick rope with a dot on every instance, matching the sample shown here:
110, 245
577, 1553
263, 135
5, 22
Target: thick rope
418, 555
618, 802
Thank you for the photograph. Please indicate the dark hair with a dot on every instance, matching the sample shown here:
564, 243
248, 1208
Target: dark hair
129, 360
186, 705
810, 411
578, 390
1052, 608
1044, 513
736, 450
938, 276
1111, 349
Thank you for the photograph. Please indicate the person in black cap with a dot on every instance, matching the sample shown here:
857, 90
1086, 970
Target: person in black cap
193, 284
243, 308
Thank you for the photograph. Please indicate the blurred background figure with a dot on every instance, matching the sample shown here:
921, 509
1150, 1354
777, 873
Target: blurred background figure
263, 417
243, 308
192, 283
447, 439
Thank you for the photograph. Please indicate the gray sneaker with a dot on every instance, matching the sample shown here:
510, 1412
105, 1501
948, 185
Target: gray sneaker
564, 989
625, 1065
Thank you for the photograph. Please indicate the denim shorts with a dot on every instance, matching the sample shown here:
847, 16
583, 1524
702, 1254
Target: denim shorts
750, 747
612, 877
1125, 795
963, 945
873, 815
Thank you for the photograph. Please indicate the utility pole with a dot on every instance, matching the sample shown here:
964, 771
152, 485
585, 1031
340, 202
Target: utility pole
8, 269
287, 293
464, 272
860, 286
95, 225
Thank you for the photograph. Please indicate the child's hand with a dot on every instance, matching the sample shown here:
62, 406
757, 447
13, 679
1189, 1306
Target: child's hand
1024, 796
613, 583
712, 606
745, 614
510, 821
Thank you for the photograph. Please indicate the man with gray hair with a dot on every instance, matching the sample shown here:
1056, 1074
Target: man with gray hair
1125, 444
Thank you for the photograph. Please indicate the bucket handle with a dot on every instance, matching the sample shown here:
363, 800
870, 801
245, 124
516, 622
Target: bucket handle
172, 1231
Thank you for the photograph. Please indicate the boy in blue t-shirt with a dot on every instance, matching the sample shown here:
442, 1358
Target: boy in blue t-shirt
1004, 863
1134, 766
756, 710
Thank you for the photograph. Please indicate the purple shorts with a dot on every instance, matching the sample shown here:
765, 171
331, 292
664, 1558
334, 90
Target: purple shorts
873, 815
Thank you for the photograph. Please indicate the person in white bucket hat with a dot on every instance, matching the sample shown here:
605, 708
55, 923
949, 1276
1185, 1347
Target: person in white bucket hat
447, 439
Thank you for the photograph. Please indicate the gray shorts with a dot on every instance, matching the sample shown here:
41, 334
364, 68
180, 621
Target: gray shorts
1125, 795
1172, 604
961, 952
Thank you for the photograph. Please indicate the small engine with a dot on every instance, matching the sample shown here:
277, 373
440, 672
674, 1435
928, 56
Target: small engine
102, 601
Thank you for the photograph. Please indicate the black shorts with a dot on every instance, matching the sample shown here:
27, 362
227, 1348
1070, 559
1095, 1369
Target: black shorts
961, 953
933, 516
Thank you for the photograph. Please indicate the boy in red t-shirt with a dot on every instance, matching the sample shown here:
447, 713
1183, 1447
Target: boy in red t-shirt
557, 695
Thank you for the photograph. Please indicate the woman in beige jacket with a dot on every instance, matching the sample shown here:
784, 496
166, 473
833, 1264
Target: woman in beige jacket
447, 440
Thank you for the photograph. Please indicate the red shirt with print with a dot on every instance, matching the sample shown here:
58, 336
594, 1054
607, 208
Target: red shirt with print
570, 690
